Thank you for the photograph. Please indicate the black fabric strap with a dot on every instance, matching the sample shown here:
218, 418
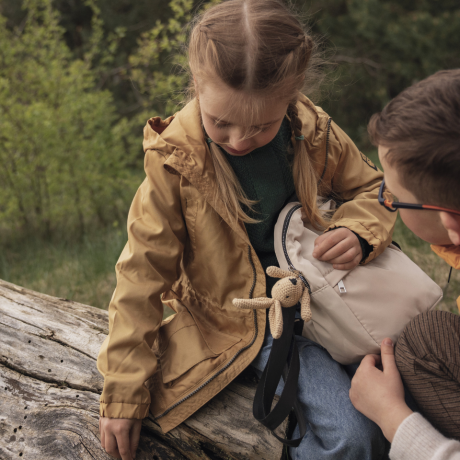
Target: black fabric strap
282, 362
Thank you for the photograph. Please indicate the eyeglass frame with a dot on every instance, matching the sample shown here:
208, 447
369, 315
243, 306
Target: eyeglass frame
393, 207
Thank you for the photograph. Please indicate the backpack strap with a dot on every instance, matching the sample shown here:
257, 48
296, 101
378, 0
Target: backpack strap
282, 362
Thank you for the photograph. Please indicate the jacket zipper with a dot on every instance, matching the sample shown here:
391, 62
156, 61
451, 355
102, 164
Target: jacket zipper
286, 223
256, 329
328, 132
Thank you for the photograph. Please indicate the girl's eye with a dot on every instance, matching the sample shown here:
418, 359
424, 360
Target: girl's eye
220, 125
265, 129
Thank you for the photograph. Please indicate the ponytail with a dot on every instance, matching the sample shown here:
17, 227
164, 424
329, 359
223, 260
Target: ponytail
305, 177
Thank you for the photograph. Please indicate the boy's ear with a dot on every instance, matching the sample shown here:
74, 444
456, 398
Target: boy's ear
451, 223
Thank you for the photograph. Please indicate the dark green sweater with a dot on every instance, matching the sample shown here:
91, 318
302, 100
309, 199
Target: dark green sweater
266, 176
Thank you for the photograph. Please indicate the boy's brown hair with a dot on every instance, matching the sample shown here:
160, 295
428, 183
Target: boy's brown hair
421, 128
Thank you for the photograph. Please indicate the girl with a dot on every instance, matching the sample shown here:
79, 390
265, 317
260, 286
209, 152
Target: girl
201, 234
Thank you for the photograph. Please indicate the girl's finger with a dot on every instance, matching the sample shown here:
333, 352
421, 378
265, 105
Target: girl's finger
346, 257
102, 432
111, 446
350, 265
134, 437
325, 242
337, 250
123, 445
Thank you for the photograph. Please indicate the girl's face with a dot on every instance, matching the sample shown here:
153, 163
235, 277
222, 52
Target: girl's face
225, 127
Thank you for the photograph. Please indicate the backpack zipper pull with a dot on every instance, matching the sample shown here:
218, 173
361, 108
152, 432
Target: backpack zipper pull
341, 287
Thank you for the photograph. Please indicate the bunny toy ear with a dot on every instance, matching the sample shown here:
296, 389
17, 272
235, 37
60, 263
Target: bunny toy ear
276, 272
305, 309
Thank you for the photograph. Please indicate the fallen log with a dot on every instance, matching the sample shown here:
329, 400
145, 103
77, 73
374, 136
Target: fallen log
50, 387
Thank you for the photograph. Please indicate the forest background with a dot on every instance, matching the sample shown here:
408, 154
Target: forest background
79, 79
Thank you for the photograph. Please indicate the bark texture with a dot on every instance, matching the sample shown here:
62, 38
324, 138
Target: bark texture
50, 387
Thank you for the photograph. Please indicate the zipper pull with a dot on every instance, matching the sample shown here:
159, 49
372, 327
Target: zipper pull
341, 286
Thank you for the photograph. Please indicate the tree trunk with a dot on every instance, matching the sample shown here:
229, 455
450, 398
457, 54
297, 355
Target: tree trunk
50, 387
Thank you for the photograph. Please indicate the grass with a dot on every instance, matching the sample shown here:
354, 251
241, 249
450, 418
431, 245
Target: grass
84, 271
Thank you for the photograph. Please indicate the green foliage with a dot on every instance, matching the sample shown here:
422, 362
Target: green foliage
159, 66
382, 47
62, 162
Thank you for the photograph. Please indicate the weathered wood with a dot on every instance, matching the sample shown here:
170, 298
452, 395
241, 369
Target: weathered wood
50, 387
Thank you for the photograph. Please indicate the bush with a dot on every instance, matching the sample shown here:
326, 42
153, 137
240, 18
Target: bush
63, 166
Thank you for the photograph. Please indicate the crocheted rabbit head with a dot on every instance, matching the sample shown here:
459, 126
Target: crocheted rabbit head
289, 289
287, 292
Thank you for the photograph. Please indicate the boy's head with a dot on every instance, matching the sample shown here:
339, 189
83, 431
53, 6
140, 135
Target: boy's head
418, 136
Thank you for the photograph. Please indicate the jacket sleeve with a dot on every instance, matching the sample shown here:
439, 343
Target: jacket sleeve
416, 439
147, 267
356, 182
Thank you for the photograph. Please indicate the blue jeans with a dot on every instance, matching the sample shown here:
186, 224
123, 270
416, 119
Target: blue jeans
336, 430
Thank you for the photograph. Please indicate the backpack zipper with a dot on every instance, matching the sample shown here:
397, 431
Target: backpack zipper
286, 223
256, 329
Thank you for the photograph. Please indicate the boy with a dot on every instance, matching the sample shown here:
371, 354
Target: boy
418, 137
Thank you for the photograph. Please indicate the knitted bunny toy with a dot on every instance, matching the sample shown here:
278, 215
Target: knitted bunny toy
285, 293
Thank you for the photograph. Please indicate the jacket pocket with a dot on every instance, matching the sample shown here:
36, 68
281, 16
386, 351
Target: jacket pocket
182, 346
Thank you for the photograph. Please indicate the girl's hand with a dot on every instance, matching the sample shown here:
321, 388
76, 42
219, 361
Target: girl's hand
120, 436
379, 394
339, 247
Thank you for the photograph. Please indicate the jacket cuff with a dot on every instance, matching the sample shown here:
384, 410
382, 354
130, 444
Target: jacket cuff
376, 244
123, 410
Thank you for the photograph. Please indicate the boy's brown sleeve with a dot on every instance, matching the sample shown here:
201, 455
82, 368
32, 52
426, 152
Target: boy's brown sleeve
356, 181
147, 267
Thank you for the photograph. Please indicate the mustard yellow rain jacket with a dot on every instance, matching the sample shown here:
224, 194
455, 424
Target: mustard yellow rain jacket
183, 247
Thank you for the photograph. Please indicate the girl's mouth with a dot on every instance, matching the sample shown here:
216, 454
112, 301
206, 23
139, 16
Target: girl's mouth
237, 152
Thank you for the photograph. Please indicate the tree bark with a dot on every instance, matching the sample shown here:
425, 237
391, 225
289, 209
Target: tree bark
50, 387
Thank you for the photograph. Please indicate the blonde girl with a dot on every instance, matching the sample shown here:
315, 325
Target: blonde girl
200, 233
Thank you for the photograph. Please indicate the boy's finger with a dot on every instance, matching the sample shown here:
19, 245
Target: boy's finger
388, 355
370, 361
134, 438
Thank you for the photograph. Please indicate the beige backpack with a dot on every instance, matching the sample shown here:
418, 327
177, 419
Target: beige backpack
353, 310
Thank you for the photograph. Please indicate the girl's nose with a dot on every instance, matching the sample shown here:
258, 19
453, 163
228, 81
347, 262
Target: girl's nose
237, 142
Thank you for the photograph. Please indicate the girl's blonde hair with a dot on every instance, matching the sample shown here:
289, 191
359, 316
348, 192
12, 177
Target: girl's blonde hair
260, 49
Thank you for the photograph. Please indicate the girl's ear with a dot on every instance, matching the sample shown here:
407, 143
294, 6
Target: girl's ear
451, 223
276, 272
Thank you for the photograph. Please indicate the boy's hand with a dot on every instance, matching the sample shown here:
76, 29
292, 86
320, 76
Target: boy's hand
120, 436
339, 247
379, 394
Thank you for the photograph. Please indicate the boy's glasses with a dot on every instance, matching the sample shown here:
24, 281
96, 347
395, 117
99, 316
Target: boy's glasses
393, 206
